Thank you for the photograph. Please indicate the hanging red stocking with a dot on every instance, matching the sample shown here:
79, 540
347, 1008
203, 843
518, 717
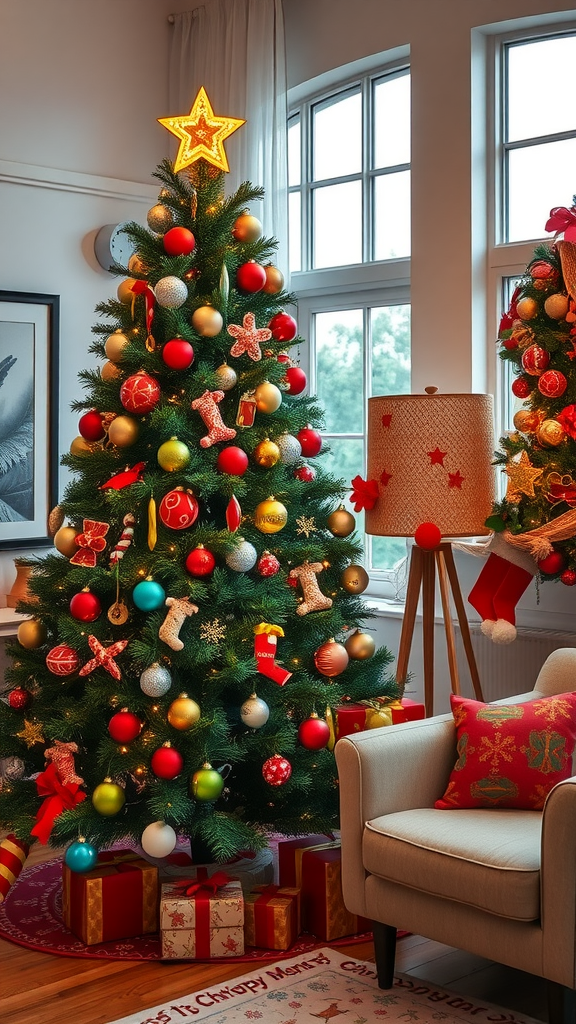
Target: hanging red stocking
495, 595
265, 641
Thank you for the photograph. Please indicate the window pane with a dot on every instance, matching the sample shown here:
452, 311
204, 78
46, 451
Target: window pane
335, 205
386, 551
345, 460
294, 154
392, 216
337, 134
294, 232
531, 110
392, 121
539, 177
390, 328
339, 346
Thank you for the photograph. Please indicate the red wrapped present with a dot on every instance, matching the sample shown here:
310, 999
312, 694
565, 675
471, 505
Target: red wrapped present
202, 917
118, 899
326, 916
407, 710
272, 916
352, 718
290, 856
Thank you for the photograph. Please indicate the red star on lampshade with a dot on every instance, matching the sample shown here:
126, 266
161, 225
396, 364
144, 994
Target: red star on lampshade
386, 419
385, 478
437, 457
455, 479
201, 134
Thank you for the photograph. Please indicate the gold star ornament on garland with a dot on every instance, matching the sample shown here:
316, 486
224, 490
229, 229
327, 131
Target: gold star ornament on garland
201, 134
522, 476
31, 733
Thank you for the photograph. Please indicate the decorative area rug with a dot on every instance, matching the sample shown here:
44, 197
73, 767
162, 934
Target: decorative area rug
321, 986
31, 916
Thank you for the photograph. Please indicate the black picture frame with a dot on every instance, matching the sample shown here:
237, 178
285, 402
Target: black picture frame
29, 416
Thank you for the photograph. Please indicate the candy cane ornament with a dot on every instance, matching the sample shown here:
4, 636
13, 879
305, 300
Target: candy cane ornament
120, 548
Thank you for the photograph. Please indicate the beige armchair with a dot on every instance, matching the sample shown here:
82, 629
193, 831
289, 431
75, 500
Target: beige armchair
498, 883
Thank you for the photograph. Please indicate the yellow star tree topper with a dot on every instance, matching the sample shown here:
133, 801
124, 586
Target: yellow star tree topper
201, 134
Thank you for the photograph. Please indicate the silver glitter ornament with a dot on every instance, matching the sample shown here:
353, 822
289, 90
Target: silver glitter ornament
243, 557
160, 218
155, 680
13, 768
171, 292
290, 449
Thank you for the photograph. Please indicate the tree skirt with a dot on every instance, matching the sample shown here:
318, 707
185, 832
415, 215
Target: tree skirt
31, 915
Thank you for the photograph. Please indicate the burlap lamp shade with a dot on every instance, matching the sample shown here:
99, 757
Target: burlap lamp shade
431, 456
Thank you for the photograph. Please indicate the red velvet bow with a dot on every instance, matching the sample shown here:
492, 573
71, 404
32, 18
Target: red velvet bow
364, 493
562, 220
59, 797
91, 542
204, 886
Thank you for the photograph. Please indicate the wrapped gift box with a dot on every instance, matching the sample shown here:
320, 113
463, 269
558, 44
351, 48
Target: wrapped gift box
352, 717
272, 917
202, 917
325, 914
118, 899
290, 852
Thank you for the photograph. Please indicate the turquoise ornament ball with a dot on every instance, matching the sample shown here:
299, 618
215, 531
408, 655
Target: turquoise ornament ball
148, 595
81, 857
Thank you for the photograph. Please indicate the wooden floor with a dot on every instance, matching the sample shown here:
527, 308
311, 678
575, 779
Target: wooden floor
39, 988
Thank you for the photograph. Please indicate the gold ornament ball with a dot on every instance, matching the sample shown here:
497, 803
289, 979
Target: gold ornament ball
32, 633
550, 433
268, 397
556, 306
360, 645
110, 371
270, 516
80, 446
355, 579
159, 218
115, 345
226, 377
135, 265
266, 453
183, 713
65, 541
124, 291
173, 455
207, 321
123, 431
247, 228
341, 523
527, 308
377, 717
526, 420
274, 280
108, 798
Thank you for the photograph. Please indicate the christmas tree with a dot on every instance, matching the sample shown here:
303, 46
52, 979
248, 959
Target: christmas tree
200, 621
535, 522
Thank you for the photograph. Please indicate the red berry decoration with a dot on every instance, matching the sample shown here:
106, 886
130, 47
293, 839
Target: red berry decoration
19, 698
305, 473
310, 442
296, 379
140, 393
283, 327
179, 242
166, 763
568, 577
178, 354
521, 387
552, 384
251, 277
552, 564
178, 509
62, 660
90, 426
85, 606
314, 733
268, 564
535, 360
428, 536
200, 561
124, 726
283, 357
276, 770
232, 460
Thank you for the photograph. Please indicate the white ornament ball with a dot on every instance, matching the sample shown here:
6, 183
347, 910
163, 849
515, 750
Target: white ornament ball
155, 681
171, 292
158, 839
243, 557
254, 712
290, 449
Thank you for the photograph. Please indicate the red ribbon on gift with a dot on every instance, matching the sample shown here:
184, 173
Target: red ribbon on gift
204, 887
142, 288
562, 220
364, 493
60, 797
91, 542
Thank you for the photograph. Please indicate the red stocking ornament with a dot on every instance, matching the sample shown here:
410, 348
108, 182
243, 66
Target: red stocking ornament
265, 641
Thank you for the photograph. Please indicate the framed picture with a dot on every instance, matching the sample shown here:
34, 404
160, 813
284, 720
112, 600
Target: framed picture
29, 326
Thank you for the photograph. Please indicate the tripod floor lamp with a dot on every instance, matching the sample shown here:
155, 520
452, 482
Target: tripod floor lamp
431, 456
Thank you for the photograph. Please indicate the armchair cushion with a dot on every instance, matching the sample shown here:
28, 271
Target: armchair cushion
510, 755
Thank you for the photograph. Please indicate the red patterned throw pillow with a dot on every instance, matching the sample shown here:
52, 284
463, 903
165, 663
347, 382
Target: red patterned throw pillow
510, 755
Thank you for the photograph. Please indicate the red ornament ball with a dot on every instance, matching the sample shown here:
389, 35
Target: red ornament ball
331, 658
124, 726
314, 733
296, 379
310, 442
19, 698
140, 393
568, 577
552, 384
535, 360
90, 426
283, 327
428, 536
276, 770
178, 509
178, 354
268, 564
552, 564
85, 606
62, 660
179, 242
166, 763
521, 387
232, 460
200, 561
305, 473
251, 277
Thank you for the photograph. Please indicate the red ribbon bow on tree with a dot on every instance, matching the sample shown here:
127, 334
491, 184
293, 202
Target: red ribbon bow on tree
204, 886
142, 288
90, 542
60, 796
561, 220
364, 493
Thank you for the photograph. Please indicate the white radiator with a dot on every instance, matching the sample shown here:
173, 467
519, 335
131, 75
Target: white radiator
506, 669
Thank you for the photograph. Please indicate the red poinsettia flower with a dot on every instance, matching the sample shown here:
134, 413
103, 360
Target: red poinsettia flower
568, 420
364, 493
508, 318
